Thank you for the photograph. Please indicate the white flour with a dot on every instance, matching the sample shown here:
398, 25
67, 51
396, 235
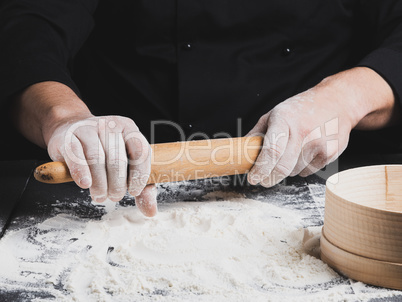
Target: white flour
238, 250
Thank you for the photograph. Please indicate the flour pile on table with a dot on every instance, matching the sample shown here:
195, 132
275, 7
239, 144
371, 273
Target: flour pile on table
239, 250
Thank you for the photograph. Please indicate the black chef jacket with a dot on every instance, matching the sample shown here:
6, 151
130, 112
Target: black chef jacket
205, 64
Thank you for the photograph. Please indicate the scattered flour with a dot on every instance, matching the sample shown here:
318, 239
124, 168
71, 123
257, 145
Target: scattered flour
238, 250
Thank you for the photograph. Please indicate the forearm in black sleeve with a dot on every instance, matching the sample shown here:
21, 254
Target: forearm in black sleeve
384, 21
38, 39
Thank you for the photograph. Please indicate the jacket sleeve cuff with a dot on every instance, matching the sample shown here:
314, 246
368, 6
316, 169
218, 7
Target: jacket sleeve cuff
388, 64
30, 71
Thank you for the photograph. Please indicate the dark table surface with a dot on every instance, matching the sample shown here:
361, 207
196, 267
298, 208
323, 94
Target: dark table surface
26, 202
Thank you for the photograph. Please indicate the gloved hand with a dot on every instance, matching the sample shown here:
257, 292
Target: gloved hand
108, 155
306, 132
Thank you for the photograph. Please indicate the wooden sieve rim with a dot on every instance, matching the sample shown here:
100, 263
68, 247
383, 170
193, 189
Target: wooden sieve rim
360, 268
375, 211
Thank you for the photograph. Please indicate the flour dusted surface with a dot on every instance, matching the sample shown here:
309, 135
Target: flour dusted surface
237, 250
191, 249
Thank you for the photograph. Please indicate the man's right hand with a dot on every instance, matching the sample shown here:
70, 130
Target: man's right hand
107, 154
98, 150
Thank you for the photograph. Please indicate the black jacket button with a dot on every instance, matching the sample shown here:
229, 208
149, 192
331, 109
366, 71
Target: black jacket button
286, 51
187, 46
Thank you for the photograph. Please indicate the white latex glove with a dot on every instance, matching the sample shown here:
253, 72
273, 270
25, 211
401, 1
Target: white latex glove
108, 155
306, 132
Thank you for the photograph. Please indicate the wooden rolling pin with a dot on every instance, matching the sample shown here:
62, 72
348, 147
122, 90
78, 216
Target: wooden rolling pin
182, 160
